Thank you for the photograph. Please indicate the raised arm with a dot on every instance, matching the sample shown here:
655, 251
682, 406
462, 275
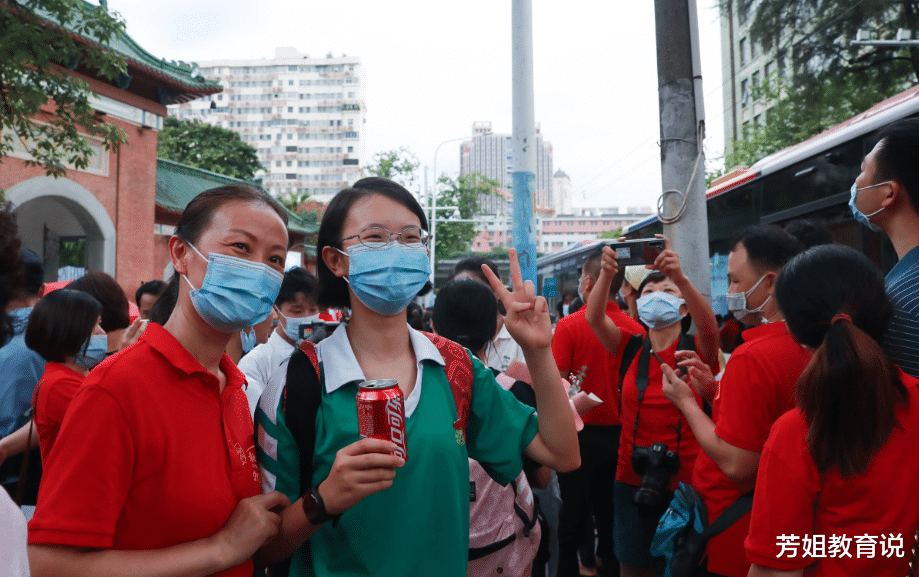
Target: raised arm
606, 330
556, 443
668, 262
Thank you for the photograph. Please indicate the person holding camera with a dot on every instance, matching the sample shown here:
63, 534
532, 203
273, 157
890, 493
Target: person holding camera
657, 449
296, 311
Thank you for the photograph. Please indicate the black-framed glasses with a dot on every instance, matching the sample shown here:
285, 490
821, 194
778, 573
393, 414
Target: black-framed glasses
379, 237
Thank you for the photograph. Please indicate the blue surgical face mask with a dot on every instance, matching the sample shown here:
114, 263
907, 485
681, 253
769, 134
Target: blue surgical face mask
386, 279
247, 337
659, 309
859, 215
93, 353
236, 293
737, 305
292, 326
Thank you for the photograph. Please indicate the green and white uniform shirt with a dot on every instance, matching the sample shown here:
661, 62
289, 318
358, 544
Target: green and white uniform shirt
420, 525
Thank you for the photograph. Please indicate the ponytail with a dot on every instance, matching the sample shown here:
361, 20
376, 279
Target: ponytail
848, 394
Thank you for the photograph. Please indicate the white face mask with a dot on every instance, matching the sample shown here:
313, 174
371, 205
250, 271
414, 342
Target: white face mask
737, 304
295, 327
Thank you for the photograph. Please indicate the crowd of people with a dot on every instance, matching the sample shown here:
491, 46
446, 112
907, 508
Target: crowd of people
214, 431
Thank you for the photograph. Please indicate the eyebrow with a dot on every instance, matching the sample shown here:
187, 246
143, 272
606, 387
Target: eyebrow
251, 236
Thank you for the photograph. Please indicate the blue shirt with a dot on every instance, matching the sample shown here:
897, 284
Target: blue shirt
20, 370
901, 342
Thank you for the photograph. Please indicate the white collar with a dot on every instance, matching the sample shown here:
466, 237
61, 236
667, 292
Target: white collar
340, 367
276, 341
503, 334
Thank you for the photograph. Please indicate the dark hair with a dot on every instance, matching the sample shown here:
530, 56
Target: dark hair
809, 232
199, 213
106, 290
592, 268
163, 307
11, 268
414, 315
61, 323
34, 272
473, 265
896, 157
849, 390
768, 246
333, 291
466, 312
297, 280
153, 287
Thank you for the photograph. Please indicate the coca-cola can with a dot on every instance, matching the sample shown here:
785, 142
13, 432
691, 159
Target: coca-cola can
381, 413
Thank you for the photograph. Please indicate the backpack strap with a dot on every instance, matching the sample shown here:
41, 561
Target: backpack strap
628, 355
458, 368
302, 397
729, 516
528, 524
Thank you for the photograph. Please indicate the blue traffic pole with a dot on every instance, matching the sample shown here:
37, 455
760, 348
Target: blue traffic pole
524, 137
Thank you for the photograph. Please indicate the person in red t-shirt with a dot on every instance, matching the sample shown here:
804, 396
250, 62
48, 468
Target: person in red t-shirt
154, 470
756, 389
836, 487
648, 419
588, 490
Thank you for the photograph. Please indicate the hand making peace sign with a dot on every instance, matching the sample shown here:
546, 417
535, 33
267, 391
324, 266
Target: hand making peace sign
527, 317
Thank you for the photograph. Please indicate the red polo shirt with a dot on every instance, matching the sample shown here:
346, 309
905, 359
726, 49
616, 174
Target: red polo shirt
578, 350
151, 454
756, 389
53, 394
862, 526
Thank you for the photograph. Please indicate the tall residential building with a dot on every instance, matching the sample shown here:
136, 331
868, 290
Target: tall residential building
491, 155
562, 191
304, 116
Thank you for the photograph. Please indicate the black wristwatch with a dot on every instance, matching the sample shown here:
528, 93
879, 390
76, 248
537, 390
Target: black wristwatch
314, 507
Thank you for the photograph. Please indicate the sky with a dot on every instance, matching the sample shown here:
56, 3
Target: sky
433, 68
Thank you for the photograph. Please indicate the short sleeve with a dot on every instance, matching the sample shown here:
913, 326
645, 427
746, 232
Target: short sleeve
500, 427
563, 347
87, 476
748, 405
787, 486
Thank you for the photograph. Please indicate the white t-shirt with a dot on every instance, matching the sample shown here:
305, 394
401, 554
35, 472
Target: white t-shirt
260, 363
503, 350
13, 532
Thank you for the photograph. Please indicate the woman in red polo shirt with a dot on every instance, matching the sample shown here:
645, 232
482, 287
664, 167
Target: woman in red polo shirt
836, 488
154, 470
64, 328
656, 442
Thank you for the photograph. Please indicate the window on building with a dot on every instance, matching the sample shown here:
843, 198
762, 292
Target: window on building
744, 92
277, 163
290, 176
350, 149
754, 80
756, 50
290, 82
769, 71
742, 50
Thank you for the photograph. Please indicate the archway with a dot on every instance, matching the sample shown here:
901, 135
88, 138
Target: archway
52, 208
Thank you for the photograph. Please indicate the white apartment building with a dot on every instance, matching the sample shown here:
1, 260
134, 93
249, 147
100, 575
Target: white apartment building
562, 192
305, 117
491, 155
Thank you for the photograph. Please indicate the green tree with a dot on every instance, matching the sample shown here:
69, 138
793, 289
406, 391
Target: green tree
292, 201
37, 49
465, 193
207, 147
824, 78
399, 165
616, 233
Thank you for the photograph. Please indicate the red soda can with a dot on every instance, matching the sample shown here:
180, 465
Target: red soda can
381, 413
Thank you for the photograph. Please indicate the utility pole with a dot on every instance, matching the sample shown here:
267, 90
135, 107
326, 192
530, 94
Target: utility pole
524, 137
679, 76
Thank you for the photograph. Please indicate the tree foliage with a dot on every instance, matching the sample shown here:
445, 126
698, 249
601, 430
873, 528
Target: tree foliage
399, 165
615, 233
825, 78
36, 53
207, 147
465, 193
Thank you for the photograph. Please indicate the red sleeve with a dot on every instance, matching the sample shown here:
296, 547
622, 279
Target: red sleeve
563, 347
87, 476
748, 404
787, 485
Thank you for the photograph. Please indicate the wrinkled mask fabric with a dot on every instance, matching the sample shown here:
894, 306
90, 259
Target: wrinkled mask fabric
93, 353
659, 309
236, 293
859, 215
292, 326
386, 279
